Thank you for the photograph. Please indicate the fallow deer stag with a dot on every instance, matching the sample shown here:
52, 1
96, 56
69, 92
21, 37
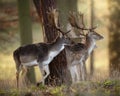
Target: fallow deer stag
40, 54
79, 53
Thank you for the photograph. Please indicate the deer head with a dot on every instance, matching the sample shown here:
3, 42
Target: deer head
94, 35
81, 26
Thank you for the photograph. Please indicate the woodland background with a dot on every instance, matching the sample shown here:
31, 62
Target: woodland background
106, 56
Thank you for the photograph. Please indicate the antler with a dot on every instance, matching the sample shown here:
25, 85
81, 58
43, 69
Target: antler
53, 19
73, 22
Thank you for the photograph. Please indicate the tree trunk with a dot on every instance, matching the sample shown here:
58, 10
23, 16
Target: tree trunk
58, 67
26, 30
114, 37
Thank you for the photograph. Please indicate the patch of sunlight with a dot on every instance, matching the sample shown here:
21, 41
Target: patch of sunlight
101, 6
101, 59
7, 68
83, 6
38, 73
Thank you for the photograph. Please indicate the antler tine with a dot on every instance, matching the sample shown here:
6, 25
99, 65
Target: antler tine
63, 33
72, 19
93, 28
80, 16
82, 19
73, 22
53, 19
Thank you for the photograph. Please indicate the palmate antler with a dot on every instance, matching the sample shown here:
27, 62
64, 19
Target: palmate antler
53, 16
72, 19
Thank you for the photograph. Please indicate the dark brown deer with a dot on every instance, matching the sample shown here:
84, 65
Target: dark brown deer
77, 54
40, 54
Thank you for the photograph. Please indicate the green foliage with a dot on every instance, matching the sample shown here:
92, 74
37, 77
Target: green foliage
13, 92
42, 87
108, 83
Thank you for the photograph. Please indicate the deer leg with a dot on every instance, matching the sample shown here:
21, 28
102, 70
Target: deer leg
46, 69
19, 68
80, 65
24, 70
42, 73
17, 78
83, 70
72, 72
77, 72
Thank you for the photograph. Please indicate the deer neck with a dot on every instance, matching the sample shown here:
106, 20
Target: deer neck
90, 45
56, 48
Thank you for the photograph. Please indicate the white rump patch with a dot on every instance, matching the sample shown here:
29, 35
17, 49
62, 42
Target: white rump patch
32, 63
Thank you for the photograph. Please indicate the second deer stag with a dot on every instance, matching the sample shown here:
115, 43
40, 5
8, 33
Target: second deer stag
79, 53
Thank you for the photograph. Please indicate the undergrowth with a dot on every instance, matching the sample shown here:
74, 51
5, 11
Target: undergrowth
106, 87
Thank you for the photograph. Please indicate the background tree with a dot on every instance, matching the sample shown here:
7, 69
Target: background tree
114, 36
26, 30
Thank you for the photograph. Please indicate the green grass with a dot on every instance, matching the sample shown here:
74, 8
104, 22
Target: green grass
89, 88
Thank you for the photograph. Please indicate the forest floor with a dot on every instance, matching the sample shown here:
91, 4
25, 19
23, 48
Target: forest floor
84, 88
